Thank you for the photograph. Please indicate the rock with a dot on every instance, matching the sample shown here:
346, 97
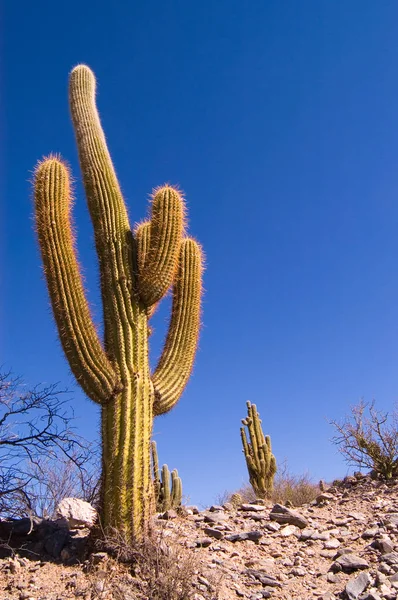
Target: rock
288, 530
17, 527
267, 580
306, 534
390, 559
54, 544
349, 563
204, 542
272, 526
283, 515
254, 536
298, 572
77, 513
370, 533
168, 514
355, 587
384, 545
216, 508
215, 517
252, 507
324, 497
215, 533
372, 595
331, 544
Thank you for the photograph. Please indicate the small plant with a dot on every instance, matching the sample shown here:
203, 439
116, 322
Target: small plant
166, 497
369, 438
159, 567
296, 489
236, 499
260, 461
288, 488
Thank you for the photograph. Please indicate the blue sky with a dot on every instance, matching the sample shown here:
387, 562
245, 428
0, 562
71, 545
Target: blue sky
279, 120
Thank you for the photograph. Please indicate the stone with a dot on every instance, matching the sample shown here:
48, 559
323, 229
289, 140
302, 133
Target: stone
76, 512
372, 595
384, 545
253, 536
390, 559
349, 562
370, 533
283, 515
168, 514
272, 526
54, 544
204, 542
252, 507
288, 530
215, 533
355, 587
266, 580
215, 517
331, 544
324, 497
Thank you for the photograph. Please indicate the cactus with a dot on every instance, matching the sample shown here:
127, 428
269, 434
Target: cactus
137, 268
260, 461
236, 499
165, 498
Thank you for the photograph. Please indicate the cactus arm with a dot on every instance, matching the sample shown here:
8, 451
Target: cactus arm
159, 261
166, 496
107, 210
142, 236
175, 364
176, 489
78, 335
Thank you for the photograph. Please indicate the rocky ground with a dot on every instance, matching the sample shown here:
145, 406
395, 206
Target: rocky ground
344, 545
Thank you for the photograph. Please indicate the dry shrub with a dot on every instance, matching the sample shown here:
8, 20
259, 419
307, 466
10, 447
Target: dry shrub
288, 488
369, 438
158, 568
296, 489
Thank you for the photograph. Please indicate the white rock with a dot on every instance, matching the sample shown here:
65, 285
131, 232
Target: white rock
288, 530
77, 513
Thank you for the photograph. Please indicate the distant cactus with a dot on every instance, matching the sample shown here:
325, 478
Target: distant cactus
260, 461
137, 268
165, 496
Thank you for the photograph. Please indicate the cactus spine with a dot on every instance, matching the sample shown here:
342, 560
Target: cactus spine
260, 461
165, 497
137, 268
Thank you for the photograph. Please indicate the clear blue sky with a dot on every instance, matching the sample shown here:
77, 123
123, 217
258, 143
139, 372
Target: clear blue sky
279, 119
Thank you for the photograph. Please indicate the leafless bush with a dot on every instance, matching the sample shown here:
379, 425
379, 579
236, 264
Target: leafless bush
296, 489
369, 438
41, 456
160, 567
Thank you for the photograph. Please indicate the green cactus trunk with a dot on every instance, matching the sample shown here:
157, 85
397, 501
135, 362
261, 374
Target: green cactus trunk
137, 269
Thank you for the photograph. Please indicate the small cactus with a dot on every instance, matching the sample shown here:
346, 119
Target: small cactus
165, 496
260, 461
236, 499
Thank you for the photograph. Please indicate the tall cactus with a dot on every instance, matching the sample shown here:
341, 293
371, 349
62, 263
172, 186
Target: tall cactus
137, 269
260, 461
